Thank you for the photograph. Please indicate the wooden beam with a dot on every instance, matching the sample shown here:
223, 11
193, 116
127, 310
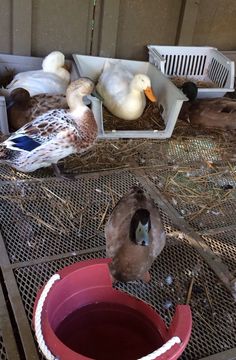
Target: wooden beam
17, 305
6, 330
109, 28
188, 17
21, 27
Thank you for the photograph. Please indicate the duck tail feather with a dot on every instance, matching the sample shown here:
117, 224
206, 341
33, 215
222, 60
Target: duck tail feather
4, 92
6, 154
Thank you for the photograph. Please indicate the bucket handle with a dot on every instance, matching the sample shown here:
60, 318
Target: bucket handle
163, 349
38, 312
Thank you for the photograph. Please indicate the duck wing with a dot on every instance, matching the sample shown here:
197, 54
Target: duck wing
55, 124
117, 229
157, 232
114, 80
117, 226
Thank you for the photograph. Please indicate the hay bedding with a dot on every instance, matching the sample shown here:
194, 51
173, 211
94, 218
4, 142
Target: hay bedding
124, 153
151, 119
180, 80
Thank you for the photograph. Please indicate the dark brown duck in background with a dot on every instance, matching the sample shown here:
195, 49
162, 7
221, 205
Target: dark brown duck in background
22, 108
6, 77
134, 236
219, 113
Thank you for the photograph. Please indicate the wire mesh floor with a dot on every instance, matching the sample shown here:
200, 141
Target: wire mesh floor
47, 224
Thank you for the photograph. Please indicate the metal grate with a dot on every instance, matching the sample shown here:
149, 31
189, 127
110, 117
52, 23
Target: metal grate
3, 355
213, 323
224, 245
55, 217
176, 151
28, 238
204, 204
9, 174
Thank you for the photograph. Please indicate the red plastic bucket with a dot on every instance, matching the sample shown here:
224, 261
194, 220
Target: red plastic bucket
78, 315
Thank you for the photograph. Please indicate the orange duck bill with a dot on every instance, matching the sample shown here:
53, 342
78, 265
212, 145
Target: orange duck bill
150, 94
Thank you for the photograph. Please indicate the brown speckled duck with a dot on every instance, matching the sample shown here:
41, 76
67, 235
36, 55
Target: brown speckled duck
21, 108
53, 135
134, 236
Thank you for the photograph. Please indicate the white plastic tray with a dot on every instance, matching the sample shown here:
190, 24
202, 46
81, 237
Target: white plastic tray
167, 94
196, 62
19, 64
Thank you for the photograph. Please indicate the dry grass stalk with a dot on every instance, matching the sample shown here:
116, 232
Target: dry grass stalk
190, 289
204, 320
112, 197
151, 119
208, 297
104, 215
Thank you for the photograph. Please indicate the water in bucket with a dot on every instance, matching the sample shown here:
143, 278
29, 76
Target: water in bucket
109, 331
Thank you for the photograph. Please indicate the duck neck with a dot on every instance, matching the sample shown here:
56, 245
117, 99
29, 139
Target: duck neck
78, 110
75, 102
133, 87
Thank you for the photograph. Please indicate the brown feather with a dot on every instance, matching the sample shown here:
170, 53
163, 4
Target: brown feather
129, 260
219, 113
25, 111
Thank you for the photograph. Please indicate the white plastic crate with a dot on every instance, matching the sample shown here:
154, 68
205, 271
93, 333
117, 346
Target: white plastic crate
19, 64
169, 97
195, 62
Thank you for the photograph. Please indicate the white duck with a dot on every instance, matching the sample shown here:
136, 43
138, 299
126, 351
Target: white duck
123, 92
52, 79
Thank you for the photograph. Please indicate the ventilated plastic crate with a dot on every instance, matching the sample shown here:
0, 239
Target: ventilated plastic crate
19, 64
198, 63
170, 99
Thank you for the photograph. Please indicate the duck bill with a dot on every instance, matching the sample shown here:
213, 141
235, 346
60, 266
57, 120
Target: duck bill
97, 95
142, 237
150, 94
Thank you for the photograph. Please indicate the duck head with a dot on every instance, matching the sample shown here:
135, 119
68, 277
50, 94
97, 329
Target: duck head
55, 63
140, 226
20, 97
190, 89
142, 82
77, 90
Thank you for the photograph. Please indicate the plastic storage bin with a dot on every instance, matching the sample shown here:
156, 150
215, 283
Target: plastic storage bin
19, 64
169, 97
199, 63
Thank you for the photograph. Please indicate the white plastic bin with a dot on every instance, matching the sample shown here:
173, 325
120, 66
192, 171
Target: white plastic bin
19, 64
167, 94
195, 62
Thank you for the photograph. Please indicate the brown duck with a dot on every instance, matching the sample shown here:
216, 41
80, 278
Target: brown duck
219, 113
21, 108
134, 236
